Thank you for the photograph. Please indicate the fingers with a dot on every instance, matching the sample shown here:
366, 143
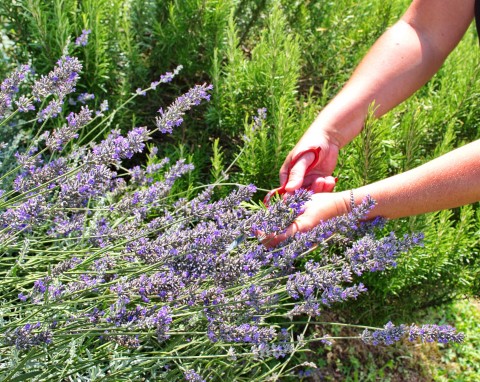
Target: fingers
330, 183
323, 184
297, 172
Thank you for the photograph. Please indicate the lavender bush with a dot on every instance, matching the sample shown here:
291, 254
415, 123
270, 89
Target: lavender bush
105, 278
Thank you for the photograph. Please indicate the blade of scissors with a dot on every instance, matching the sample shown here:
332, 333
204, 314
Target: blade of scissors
235, 243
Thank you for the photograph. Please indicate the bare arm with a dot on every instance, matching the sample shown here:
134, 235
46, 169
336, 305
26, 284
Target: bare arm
403, 59
449, 181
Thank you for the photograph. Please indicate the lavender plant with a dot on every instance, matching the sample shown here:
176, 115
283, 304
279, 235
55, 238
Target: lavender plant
103, 277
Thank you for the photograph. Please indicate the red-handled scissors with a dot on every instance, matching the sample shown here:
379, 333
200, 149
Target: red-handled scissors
281, 190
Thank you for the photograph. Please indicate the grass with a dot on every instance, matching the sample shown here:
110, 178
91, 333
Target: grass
354, 362
460, 363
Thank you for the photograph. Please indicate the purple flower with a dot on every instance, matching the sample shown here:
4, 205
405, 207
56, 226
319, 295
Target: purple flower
166, 286
139, 200
10, 86
244, 333
279, 349
95, 315
173, 116
435, 333
24, 104
60, 81
372, 255
66, 265
192, 376
116, 147
388, 336
128, 341
28, 336
40, 285
35, 175
260, 118
84, 97
25, 215
159, 320
258, 298
167, 77
82, 40
279, 215
52, 110
94, 181
22, 297
327, 281
426, 333
75, 121
65, 224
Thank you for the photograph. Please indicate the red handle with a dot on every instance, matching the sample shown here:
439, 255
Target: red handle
281, 190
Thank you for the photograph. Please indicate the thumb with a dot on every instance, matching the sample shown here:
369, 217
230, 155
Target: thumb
297, 172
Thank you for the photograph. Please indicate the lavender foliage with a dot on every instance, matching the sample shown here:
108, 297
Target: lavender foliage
192, 376
140, 268
425, 333
10, 87
28, 336
82, 40
60, 82
75, 121
173, 116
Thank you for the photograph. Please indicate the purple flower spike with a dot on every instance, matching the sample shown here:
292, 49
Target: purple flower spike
9, 87
426, 333
28, 336
173, 116
82, 40
435, 333
24, 104
167, 77
192, 376
60, 81
75, 121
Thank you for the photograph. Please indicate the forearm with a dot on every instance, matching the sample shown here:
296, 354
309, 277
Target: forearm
449, 181
404, 58
395, 67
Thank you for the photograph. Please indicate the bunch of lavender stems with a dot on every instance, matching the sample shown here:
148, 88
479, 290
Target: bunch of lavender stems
103, 277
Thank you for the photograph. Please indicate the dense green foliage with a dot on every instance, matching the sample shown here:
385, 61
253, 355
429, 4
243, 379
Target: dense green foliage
289, 57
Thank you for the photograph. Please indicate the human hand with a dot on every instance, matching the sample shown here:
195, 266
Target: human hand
317, 179
321, 207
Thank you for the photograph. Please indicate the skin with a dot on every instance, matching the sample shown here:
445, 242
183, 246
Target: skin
449, 181
402, 60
